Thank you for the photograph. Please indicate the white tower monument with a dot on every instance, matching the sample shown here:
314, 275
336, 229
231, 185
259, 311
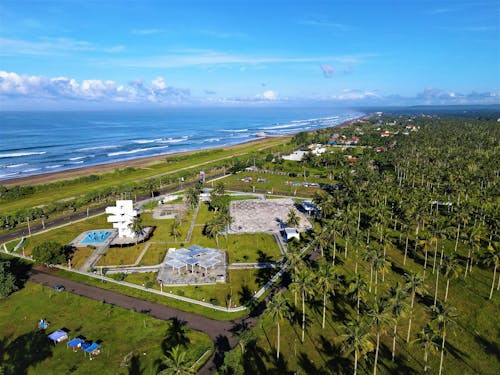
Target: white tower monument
122, 216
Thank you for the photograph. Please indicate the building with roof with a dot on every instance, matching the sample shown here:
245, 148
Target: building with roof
193, 265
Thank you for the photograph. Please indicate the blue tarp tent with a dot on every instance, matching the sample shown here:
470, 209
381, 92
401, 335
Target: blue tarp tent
92, 348
58, 336
75, 343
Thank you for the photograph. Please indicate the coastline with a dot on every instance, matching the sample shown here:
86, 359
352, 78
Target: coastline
45, 178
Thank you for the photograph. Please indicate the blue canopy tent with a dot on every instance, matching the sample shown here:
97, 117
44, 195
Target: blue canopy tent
75, 343
92, 349
58, 336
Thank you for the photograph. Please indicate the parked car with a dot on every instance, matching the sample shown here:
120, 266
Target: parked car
58, 288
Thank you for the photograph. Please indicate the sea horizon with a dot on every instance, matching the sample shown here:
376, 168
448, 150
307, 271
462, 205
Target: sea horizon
40, 142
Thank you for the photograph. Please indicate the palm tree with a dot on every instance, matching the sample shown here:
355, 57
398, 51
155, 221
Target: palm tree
305, 286
192, 197
326, 281
491, 257
443, 315
293, 219
175, 228
177, 363
356, 338
213, 228
380, 317
277, 309
380, 264
414, 284
398, 306
369, 256
451, 267
136, 227
357, 288
427, 338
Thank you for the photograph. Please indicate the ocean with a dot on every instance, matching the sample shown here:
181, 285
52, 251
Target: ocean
41, 142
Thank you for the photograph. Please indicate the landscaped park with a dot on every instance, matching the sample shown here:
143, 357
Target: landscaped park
396, 270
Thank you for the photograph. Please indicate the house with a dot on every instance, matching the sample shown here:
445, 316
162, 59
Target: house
386, 133
309, 207
295, 156
290, 233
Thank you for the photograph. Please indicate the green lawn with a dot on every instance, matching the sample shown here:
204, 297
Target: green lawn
107, 180
118, 256
122, 332
241, 285
154, 255
472, 342
65, 234
275, 183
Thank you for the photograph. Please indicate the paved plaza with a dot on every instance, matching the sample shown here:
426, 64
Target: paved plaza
255, 215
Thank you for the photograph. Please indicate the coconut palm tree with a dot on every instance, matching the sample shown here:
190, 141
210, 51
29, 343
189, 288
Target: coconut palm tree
427, 339
451, 268
177, 363
398, 307
369, 256
137, 227
380, 316
357, 288
213, 228
356, 338
326, 280
305, 286
278, 309
175, 228
443, 315
293, 219
491, 257
414, 284
192, 196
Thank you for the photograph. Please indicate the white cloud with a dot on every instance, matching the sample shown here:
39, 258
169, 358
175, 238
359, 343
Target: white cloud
268, 95
147, 31
51, 46
184, 58
40, 87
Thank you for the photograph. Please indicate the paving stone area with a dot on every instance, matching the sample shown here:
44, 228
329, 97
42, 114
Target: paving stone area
251, 216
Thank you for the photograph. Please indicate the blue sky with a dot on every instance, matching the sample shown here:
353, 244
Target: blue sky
98, 53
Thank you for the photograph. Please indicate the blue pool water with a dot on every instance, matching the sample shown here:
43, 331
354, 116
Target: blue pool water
96, 236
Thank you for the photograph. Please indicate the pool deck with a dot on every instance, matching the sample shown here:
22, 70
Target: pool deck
77, 242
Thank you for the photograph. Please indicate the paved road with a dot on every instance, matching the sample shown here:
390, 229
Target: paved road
219, 331
23, 232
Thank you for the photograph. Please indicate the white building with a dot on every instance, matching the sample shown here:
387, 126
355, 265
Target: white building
290, 233
295, 156
122, 216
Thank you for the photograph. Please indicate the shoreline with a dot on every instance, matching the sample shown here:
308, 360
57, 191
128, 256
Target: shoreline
46, 178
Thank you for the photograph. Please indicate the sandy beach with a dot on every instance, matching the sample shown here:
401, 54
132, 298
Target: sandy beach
46, 178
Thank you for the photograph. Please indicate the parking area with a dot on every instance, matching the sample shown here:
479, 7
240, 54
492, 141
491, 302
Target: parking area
251, 216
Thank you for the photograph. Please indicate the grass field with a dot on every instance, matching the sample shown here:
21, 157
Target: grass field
241, 286
274, 183
472, 342
65, 234
122, 332
153, 170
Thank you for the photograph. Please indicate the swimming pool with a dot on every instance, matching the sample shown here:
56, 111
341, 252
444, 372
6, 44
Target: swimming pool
96, 236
